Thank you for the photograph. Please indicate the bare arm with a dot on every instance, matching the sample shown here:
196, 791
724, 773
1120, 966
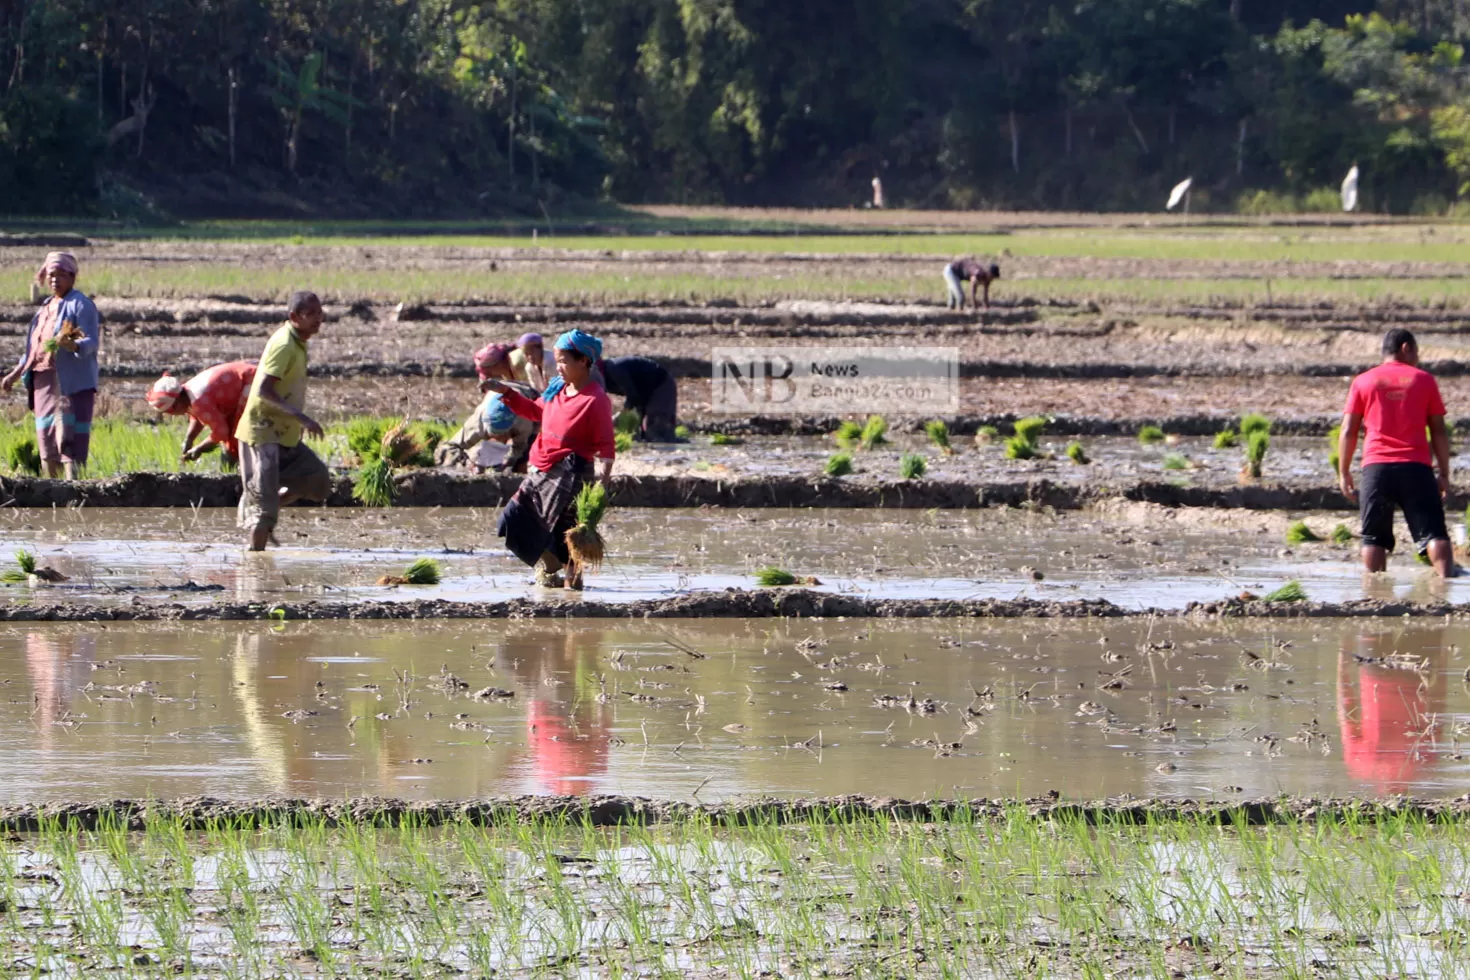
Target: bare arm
1347, 445
270, 396
191, 433
1439, 440
604, 469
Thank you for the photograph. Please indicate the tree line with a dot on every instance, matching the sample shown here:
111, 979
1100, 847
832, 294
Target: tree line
450, 108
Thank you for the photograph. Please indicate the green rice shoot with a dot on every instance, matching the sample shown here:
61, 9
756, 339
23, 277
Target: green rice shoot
682, 433
1077, 454
1020, 448
912, 466
372, 485
1256, 445
1150, 434
1334, 448
622, 442
591, 504
772, 577
424, 571
22, 456
26, 567
938, 434
848, 434
723, 439
986, 434
1301, 533
1176, 461
1226, 439
1342, 535
584, 541
1254, 422
838, 464
628, 420
875, 432
365, 437
1290, 592
1029, 428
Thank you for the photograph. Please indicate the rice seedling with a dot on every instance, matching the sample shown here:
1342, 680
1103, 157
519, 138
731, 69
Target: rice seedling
838, 464
1342, 535
1254, 422
912, 466
25, 568
399, 445
1300, 533
1020, 448
1256, 445
938, 434
23, 457
1290, 592
1150, 434
1334, 453
1177, 461
424, 571
1077, 454
848, 433
622, 442
772, 577
723, 439
373, 485
1029, 428
628, 420
365, 437
986, 434
1226, 439
874, 432
584, 541
682, 433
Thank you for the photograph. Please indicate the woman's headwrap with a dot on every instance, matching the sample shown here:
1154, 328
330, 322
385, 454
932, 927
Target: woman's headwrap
489, 356
165, 393
498, 416
581, 342
65, 261
530, 338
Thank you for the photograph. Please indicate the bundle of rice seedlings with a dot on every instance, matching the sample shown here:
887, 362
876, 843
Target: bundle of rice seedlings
938, 434
1019, 448
1333, 455
1342, 535
399, 445
1150, 434
912, 466
365, 437
772, 577
24, 457
1300, 533
622, 442
1256, 445
986, 434
1254, 422
1176, 461
372, 485
1226, 439
874, 432
1077, 454
1290, 592
1030, 428
424, 571
681, 432
627, 421
584, 541
27, 566
723, 439
848, 434
839, 464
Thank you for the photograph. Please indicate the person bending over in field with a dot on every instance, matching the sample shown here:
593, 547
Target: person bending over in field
491, 422
276, 467
213, 399
531, 363
648, 389
977, 275
1398, 401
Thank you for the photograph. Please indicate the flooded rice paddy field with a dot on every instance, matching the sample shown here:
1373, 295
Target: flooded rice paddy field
709, 711
1134, 555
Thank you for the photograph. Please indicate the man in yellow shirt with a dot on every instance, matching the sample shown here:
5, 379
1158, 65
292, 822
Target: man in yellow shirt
276, 467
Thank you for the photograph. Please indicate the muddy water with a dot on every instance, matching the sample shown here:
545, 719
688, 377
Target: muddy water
1138, 557
724, 709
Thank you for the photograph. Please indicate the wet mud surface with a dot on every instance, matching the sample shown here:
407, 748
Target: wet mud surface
1117, 711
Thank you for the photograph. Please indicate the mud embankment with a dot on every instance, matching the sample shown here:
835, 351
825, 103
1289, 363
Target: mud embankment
432, 488
206, 813
730, 604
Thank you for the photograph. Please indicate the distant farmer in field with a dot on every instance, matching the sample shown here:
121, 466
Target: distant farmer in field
59, 368
276, 467
214, 399
648, 389
576, 439
491, 421
1398, 401
977, 275
531, 363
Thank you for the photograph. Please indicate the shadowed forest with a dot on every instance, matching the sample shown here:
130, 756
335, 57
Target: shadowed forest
145, 109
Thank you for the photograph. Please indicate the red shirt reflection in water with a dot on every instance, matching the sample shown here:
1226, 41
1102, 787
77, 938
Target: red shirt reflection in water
1379, 731
564, 759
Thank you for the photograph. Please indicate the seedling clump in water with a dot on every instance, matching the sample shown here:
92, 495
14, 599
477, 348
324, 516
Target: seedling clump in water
848, 434
839, 464
1226, 439
875, 432
622, 442
627, 421
1300, 533
912, 466
938, 434
1150, 434
1290, 592
986, 434
1254, 422
1342, 535
1030, 428
1077, 454
424, 571
1255, 453
1176, 461
723, 439
772, 577
1334, 456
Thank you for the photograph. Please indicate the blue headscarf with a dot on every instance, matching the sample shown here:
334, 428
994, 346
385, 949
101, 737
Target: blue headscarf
498, 416
581, 342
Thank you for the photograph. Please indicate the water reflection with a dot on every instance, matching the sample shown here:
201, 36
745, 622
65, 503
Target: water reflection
1390, 694
567, 717
57, 666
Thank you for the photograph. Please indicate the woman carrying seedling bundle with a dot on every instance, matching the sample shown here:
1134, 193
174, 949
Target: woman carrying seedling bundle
551, 521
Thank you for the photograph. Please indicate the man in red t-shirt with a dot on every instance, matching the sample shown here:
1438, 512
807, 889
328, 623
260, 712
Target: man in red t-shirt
1398, 401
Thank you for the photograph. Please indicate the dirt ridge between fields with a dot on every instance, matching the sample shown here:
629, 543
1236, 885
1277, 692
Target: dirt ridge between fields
434, 488
201, 813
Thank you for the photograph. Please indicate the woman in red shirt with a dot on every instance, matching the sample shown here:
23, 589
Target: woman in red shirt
576, 438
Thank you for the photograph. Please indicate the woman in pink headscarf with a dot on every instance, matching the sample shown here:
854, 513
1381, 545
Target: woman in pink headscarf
59, 368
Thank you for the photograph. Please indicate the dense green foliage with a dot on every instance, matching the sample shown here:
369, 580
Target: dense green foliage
450, 107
